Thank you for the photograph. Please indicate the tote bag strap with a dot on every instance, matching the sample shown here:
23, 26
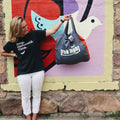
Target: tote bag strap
74, 33
66, 28
73, 26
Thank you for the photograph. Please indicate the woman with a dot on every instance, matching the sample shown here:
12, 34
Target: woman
26, 47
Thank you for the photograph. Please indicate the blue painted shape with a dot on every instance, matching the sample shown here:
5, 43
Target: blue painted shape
41, 23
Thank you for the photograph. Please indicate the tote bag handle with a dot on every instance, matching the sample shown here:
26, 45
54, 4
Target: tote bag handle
73, 27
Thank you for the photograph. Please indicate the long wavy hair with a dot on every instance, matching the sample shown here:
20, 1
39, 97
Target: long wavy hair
15, 28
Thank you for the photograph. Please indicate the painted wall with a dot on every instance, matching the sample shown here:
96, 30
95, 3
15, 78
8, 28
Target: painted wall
92, 23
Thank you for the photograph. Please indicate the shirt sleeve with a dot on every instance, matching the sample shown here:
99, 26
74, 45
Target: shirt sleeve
8, 47
40, 34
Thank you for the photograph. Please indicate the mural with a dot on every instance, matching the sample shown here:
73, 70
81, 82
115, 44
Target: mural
41, 15
92, 19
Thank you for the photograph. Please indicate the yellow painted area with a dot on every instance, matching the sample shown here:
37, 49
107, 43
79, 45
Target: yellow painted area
88, 83
89, 86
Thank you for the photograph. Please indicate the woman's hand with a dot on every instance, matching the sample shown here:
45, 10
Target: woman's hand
14, 55
66, 17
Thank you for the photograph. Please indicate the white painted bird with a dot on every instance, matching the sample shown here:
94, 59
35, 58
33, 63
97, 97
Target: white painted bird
84, 28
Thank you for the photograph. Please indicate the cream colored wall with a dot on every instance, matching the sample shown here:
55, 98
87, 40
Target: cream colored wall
88, 83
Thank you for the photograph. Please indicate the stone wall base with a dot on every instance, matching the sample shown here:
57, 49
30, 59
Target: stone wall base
65, 103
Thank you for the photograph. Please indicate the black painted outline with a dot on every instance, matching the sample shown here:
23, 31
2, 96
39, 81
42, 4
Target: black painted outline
26, 5
87, 10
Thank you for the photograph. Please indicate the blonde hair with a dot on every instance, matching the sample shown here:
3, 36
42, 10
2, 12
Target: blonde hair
15, 28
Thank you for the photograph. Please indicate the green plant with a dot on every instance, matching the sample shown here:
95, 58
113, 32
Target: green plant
116, 115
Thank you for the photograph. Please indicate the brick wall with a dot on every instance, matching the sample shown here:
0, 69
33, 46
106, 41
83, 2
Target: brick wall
61, 102
3, 77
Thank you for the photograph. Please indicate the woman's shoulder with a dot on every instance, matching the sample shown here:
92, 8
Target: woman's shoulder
10, 42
